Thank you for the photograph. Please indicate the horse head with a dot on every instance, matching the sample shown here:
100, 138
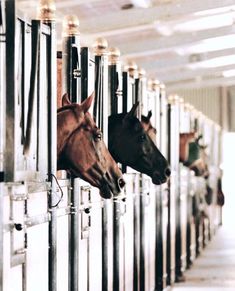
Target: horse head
197, 158
81, 150
130, 145
185, 139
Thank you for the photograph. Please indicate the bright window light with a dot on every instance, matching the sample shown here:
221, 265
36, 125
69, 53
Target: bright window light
163, 28
213, 63
142, 3
215, 11
229, 73
206, 23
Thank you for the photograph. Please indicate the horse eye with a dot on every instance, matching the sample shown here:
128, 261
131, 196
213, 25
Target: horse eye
98, 136
142, 137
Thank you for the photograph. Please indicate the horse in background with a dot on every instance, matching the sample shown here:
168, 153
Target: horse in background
81, 150
130, 145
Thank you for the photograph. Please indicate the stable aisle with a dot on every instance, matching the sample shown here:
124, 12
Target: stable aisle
214, 269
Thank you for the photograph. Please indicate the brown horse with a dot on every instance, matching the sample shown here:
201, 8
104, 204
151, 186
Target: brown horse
198, 158
130, 145
81, 150
185, 139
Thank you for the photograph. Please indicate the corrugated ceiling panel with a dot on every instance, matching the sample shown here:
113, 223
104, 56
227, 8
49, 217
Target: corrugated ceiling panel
206, 100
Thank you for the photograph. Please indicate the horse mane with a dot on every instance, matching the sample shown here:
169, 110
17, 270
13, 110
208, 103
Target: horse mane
70, 106
114, 118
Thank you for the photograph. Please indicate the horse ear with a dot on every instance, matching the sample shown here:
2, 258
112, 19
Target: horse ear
133, 111
65, 99
149, 114
86, 104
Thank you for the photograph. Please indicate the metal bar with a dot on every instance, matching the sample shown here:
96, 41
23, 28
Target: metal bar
73, 236
101, 117
136, 269
70, 57
105, 248
2, 137
142, 240
84, 72
159, 243
10, 89
70, 74
33, 77
52, 159
116, 246
169, 200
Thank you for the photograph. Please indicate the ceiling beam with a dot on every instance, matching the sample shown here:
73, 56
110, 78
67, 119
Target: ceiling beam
217, 82
150, 46
164, 64
185, 74
129, 18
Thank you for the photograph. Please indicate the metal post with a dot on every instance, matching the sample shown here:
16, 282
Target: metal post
140, 94
10, 90
47, 15
114, 108
100, 112
173, 158
70, 85
2, 131
71, 58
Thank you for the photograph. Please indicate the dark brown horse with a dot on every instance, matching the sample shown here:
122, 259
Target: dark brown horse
81, 150
148, 127
130, 145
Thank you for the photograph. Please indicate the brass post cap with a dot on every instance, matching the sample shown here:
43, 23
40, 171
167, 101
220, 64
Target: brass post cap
173, 99
100, 46
141, 73
46, 10
114, 55
132, 68
70, 25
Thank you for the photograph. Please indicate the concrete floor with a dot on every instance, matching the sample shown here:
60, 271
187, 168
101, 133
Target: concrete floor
214, 269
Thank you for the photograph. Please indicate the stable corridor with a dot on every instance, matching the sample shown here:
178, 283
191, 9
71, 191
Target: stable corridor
214, 269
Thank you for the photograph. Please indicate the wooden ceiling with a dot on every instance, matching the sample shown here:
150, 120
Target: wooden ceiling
162, 38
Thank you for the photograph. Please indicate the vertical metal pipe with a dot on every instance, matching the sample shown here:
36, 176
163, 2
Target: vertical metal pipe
47, 15
169, 200
160, 123
100, 113
159, 243
113, 109
2, 132
132, 98
70, 73
84, 72
71, 58
173, 157
73, 236
136, 267
10, 89
140, 85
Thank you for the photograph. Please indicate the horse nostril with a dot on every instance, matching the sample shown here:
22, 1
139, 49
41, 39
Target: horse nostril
168, 172
121, 183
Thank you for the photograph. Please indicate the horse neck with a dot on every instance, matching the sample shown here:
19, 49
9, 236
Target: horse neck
67, 122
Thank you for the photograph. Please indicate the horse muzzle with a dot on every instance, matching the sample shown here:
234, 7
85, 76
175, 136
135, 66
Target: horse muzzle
158, 178
112, 187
